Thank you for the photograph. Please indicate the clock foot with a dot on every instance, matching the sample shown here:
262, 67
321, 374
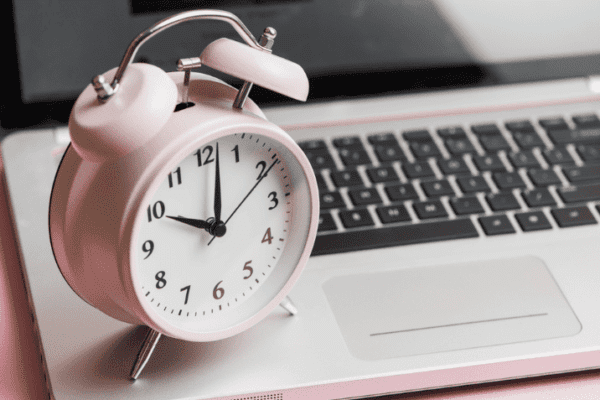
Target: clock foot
289, 306
145, 353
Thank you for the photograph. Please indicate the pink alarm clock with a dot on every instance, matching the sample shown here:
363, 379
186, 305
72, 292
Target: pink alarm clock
178, 205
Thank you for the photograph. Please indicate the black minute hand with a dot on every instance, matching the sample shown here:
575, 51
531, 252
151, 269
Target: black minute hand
250, 192
217, 204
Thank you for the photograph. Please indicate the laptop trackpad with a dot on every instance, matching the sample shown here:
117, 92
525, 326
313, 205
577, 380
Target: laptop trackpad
450, 307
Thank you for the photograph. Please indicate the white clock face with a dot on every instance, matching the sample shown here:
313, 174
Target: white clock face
193, 268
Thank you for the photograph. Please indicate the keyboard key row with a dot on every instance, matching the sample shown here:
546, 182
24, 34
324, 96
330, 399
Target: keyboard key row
468, 183
461, 206
439, 230
435, 231
504, 200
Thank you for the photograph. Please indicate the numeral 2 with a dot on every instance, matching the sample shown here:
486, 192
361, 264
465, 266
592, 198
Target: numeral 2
262, 166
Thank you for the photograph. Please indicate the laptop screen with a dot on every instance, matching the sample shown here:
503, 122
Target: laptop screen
348, 48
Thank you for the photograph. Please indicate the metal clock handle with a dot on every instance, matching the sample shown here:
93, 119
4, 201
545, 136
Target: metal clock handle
106, 90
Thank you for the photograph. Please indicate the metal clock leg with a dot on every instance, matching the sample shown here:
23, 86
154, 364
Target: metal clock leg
145, 353
289, 306
152, 338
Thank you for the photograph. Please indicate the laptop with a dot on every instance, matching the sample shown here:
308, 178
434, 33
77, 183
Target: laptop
456, 147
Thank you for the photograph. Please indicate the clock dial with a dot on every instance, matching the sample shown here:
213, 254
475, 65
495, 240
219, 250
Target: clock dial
216, 228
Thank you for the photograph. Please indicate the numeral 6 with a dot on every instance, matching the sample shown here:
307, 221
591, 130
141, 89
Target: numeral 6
218, 292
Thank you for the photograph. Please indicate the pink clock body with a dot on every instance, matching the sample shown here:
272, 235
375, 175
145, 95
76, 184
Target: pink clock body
136, 169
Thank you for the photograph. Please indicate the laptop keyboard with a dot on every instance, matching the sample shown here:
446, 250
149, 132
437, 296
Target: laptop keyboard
382, 189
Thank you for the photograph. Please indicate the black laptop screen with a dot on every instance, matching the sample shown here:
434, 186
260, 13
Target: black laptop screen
348, 48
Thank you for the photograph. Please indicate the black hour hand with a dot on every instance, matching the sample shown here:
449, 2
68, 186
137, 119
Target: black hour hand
197, 223
215, 228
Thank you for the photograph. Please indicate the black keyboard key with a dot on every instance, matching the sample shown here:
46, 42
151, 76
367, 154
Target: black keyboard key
558, 155
363, 197
575, 136
459, 146
524, 159
346, 178
584, 173
472, 184
320, 181
452, 132
485, 129
326, 222
508, 180
348, 142
421, 144
382, 174
382, 139
315, 144
394, 236
589, 153
320, 159
543, 177
352, 156
538, 198
393, 213
493, 143
496, 225
389, 153
466, 205
356, 218
401, 192
436, 189
528, 140
489, 163
417, 170
586, 121
424, 149
454, 166
580, 194
502, 201
430, 209
553, 124
420, 135
331, 200
573, 216
520, 126
533, 221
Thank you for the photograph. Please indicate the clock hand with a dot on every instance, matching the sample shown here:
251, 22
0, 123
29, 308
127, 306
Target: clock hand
211, 226
197, 223
250, 192
217, 188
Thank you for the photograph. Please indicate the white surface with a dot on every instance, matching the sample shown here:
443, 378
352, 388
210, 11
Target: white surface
513, 30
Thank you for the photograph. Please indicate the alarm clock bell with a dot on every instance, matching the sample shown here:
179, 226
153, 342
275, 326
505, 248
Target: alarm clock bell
125, 108
143, 100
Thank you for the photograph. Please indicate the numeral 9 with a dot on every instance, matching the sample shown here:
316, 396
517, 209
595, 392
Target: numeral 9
148, 247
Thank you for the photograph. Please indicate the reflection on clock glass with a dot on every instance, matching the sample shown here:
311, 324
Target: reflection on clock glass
215, 229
